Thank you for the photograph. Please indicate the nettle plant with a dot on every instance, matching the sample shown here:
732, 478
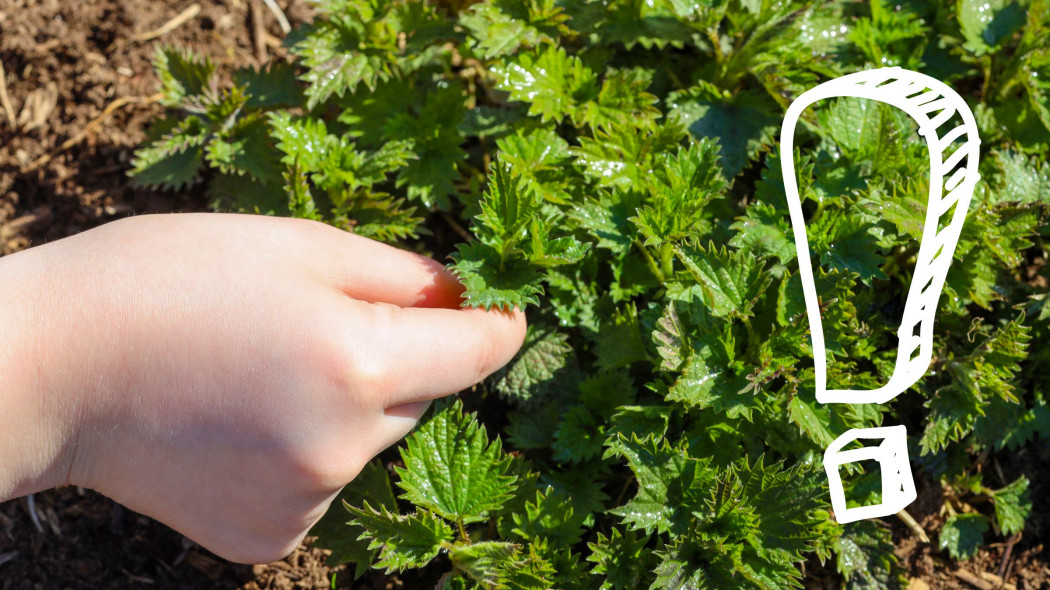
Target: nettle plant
618, 164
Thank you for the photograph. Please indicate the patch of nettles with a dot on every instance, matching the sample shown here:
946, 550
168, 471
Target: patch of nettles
619, 167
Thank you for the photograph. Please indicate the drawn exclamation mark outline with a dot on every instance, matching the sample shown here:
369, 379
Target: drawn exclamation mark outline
932, 104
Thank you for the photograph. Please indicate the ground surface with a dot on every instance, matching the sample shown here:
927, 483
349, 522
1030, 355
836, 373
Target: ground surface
65, 63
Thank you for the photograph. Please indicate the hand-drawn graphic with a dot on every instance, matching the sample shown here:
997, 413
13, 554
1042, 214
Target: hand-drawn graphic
953, 170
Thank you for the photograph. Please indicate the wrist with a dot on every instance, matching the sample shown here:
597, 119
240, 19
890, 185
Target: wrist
37, 425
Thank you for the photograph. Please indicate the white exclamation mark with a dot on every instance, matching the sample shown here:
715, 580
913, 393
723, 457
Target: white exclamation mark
953, 176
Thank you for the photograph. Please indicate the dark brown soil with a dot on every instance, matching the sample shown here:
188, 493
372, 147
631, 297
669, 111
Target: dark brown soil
65, 62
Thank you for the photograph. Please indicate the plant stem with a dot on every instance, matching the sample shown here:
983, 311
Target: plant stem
652, 263
667, 260
462, 530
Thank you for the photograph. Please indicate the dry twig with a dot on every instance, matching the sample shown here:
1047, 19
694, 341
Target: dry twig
972, 580
1014, 538
176, 22
985, 581
80, 135
913, 525
258, 31
282, 20
5, 100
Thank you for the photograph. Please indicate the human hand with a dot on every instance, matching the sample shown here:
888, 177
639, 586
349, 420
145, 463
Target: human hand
226, 374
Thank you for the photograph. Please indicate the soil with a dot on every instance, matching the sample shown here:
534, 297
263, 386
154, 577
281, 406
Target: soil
64, 64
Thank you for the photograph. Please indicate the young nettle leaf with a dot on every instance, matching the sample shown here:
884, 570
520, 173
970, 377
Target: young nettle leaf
500, 565
174, 160
730, 282
507, 209
372, 485
452, 468
622, 558
986, 24
900, 203
554, 83
548, 252
182, 73
621, 156
638, 421
540, 156
357, 43
271, 86
245, 149
873, 133
531, 373
864, 555
670, 484
764, 231
963, 534
404, 541
493, 282
621, 100
890, 36
549, 517
579, 436
534, 573
743, 124
433, 132
1013, 505
679, 191
846, 243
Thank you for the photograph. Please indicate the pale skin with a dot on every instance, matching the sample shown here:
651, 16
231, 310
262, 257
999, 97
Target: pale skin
226, 374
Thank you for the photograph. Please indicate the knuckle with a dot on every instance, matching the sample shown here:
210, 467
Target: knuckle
370, 370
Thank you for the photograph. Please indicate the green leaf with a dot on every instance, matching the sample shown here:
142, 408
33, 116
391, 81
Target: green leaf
764, 231
492, 283
174, 160
986, 24
621, 557
405, 541
864, 555
273, 85
531, 373
333, 532
182, 72
743, 125
433, 132
963, 534
506, 210
549, 517
485, 561
245, 149
845, 243
669, 481
1013, 505
579, 436
554, 83
731, 283
1021, 180
621, 100
679, 190
452, 468
340, 53
810, 421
